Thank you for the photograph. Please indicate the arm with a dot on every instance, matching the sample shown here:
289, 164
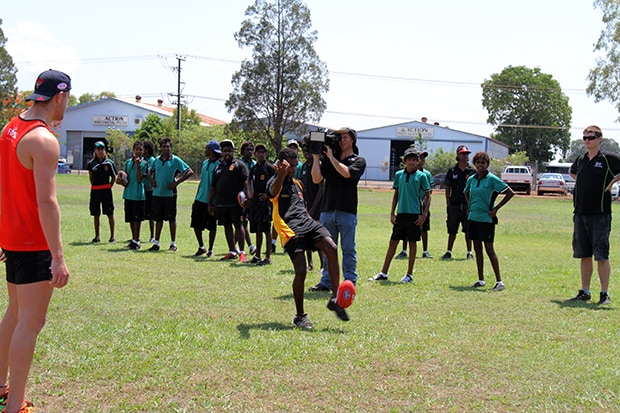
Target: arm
282, 168
341, 168
427, 203
508, 194
317, 177
186, 174
138, 163
393, 208
39, 151
317, 199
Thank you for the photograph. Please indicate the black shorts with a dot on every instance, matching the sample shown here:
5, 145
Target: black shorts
164, 208
101, 201
27, 267
201, 219
148, 205
298, 244
134, 211
405, 229
227, 215
591, 236
481, 231
457, 215
260, 216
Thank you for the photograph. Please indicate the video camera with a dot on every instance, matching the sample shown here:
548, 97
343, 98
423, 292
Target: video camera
316, 141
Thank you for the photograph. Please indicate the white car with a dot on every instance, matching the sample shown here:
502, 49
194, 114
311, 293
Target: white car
615, 190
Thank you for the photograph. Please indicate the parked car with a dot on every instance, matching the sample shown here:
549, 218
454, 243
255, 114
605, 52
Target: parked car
438, 181
570, 183
63, 168
553, 183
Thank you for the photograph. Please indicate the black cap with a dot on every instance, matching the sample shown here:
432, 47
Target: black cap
48, 84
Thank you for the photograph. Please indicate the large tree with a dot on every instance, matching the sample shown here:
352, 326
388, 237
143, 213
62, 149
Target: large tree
281, 87
9, 100
605, 77
529, 110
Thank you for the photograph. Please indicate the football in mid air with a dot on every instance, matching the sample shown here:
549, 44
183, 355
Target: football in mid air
345, 294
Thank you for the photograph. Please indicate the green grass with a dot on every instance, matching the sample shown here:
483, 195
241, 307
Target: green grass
166, 332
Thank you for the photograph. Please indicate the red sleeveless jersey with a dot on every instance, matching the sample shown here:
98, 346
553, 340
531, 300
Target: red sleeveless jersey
20, 227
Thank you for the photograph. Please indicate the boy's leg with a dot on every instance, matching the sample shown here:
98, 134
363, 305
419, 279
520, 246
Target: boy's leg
479, 259
230, 236
330, 251
259, 240
413, 246
96, 220
198, 234
173, 230
488, 246
7, 326
212, 234
389, 255
111, 222
299, 264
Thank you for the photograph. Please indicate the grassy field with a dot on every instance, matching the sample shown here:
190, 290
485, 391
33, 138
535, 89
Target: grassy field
137, 331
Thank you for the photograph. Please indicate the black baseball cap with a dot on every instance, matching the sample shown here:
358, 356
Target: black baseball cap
48, 84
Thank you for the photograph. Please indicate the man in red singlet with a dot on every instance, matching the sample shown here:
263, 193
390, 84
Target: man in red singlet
30, 230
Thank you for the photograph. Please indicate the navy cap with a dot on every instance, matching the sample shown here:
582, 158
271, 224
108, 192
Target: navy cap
48, 84
214, 146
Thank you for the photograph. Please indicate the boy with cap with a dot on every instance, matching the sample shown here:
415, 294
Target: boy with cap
455, 199
30, 231
260, 205
133, 194
201, 218
102, 175
247, 150
409, 184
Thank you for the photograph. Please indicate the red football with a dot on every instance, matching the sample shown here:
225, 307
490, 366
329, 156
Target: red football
345, 294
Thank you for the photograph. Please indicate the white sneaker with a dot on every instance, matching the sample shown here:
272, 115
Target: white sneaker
407, 279
499, 287
379, 277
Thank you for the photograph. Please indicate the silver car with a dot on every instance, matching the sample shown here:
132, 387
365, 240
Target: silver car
551, 183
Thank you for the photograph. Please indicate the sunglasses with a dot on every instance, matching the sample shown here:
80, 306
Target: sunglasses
591, 138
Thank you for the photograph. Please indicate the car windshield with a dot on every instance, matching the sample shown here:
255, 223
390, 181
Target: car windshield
551, 176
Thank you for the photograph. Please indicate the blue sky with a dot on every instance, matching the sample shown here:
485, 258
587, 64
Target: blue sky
390, 62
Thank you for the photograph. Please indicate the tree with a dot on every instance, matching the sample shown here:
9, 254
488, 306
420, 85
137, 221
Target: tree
603, 79
152, 129
280, 88
529, 110
90, 97
8, 80
577, 148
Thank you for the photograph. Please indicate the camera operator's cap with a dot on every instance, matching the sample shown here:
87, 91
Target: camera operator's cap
462, 149
410, 152
353, 135
260, 146
214, 146
99, 144
48, 84
227, 143
422, 154
292, 142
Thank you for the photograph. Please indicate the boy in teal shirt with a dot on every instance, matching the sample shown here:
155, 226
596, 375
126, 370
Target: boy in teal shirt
201, 218
135, 170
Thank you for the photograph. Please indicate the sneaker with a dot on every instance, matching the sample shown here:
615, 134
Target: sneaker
499, 287
27, 407
209, 254
229, 256
200, 252
581, 296
301, 321
133, 245
340, 313
479, 283
406, 279
255, 260
266, 261
112, 241
242, 256
152, 240
403, 254
319, 287
379, 277
96, 240
447, 256
273, 248
172, 248
604, 299
154, 247
252, 249
470, 256
426, 254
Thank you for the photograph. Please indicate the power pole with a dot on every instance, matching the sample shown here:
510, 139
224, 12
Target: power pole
178, 95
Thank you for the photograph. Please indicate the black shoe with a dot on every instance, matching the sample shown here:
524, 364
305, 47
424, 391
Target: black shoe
266, 261
154, 247
604, 299
112, 241
301, 321
447, 256
581, 296
200, 252
340, 313
255, 260
319, 287
96, 240
133, 245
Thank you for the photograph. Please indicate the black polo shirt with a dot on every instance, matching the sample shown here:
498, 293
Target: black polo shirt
456, 179
228, 180
341, 192
593, 176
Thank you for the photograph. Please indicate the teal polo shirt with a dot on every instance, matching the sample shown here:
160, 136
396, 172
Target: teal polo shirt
165, 172
482, 195
134, 191
411, 188
206, 178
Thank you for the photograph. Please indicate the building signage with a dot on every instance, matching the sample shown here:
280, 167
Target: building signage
415, 132
108, 120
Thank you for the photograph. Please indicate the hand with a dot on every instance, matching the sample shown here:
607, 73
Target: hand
262, 197
328, 151
211, 210
393, 219
172, 185
2, 256
282, 167
420, 221
60, 273
493, 213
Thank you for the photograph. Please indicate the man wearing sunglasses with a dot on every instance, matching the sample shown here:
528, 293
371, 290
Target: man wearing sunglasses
594, 172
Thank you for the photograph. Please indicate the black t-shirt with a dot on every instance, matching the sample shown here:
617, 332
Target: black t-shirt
311, 189
260, 175
103, 172
456, 179
593, 176
341, 192
290, 216
228, 180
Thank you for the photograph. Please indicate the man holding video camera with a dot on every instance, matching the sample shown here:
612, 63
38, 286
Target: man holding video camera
341, 168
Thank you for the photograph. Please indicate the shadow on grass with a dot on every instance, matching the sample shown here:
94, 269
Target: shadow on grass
463, 288
308, 295
244, 329
581, 304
